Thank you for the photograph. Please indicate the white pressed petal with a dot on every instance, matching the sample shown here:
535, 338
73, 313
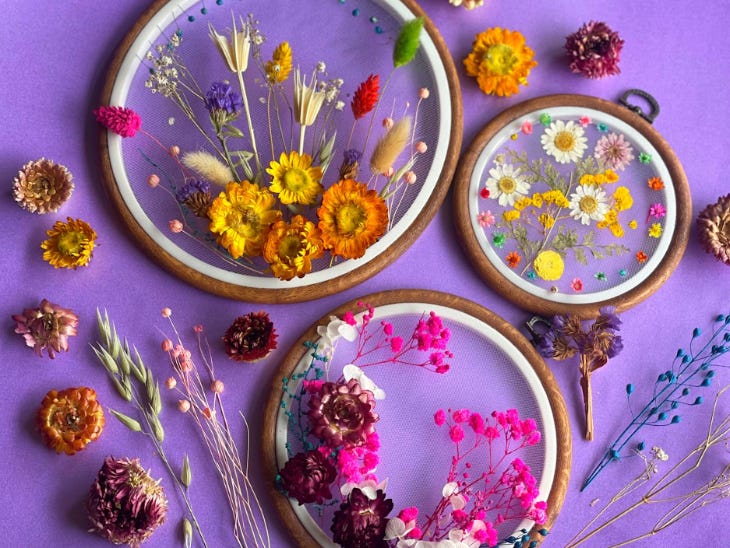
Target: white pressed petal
395, 528
449, 489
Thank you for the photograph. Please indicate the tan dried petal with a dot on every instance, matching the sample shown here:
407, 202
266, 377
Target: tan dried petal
713, 224
42, 186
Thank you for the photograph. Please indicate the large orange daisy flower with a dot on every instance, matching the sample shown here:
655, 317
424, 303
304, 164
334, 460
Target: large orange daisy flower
351, 218
291, 247
241, 216
500, 60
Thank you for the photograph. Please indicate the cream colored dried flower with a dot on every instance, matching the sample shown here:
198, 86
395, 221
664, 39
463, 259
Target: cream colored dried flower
390, 146
307, 100
208, 167
42, 186
713, 223
235, 53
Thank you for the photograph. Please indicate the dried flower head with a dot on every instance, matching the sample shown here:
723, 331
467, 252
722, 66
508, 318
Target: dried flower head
307, 99
125, 504
713, 224
68, 420
69, 244
42, 186
250, 337
47, 327
307, 477
235, 53
366, 96
121, 120
278, 69
594, 50
361, 521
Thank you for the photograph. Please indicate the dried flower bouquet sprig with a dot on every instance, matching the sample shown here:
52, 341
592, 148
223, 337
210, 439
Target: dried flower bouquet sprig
136, 384
691, 370
693, 469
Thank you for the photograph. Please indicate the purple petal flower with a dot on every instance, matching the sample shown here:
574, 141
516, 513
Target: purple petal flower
221, 97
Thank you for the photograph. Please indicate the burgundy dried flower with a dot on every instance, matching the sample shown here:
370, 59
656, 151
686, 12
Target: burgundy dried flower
47, 327
360, 522
307, 477
713, 223
594, 50
121, 120
42, 186
342, 413
125, 504
250, 337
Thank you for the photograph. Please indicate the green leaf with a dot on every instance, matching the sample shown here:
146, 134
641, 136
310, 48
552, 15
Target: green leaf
580, 255
127, 421
406, 45
186, 476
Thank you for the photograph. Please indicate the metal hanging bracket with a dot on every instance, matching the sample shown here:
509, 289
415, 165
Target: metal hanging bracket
650, 116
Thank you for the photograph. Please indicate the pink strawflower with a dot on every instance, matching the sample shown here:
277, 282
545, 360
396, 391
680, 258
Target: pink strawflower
121, 120
614, 151
594, 50
656, 210
486, 219
46, 327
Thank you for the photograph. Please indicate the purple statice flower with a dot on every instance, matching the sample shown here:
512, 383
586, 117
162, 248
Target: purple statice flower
221, 97
190, 188
352, 155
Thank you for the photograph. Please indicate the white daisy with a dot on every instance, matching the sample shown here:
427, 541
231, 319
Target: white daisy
587, 203
566, 142
506, 183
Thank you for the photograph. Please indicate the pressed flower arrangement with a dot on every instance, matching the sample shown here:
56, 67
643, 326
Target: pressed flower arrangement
343, 430
573, 203
273, 163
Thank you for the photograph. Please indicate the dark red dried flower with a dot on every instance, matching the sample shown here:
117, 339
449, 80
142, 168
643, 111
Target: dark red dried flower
47, 327
121, 120
360, 522
342, 413
594, 50
250, 337
307, 477
125, 504
366, 96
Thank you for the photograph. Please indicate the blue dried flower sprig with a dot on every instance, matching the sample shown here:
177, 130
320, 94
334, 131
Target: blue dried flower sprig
690, 370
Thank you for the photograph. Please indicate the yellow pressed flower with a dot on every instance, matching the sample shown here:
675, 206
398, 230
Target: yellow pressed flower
546, 220
500, 60
611, 176
522, 203
549, 265
294, 178
290, 248
616, 229
633, 225
600, 179
655, 230
69, 244
241, 216
622, 199
351, 218
560, 200
279, 68
587, 179
537, 200
610, 218
235, 53
511, 215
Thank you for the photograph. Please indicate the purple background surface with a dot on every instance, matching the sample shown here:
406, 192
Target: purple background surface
55, 56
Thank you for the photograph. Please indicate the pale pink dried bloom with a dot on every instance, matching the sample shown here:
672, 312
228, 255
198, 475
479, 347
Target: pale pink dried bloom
614, 151
47, 327
42, 186
713, 223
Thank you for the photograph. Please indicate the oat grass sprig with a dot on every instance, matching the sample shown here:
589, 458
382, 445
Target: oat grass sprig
704, 493
135, 383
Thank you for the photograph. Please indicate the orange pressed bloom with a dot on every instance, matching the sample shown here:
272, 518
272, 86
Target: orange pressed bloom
291, 247
513, 259
641, 257
68, 420
655, 183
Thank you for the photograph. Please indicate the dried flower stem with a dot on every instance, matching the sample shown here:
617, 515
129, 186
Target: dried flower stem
717, 488
585, 385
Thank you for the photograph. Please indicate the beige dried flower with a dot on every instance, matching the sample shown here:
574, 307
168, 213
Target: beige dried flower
713, 223
235, 53
390, 146
42, 186
307, 99
208, 167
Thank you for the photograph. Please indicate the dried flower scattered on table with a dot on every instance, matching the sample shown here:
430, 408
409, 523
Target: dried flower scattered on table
42, 186
500, 60
46, 327
713, 224
70, 244
594, 50
468, 4
121, 120
70, 419
125, 504
250, 337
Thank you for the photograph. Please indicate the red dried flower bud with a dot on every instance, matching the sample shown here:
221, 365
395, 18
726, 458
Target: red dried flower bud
251, 337
366, 96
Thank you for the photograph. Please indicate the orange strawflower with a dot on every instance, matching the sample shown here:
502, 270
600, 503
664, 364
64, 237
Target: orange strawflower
68, 420
291, 247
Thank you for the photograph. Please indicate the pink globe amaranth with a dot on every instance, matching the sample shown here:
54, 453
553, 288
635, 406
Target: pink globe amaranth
307, 477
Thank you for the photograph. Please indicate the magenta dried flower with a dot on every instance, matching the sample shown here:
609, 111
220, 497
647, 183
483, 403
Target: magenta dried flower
360, 522
125, 504
713, 224
594, 50
123, 121
307, 477
47, 327
250, 337
342, 413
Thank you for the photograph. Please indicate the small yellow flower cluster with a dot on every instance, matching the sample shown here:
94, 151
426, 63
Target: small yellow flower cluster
622, 200
538, 200
606, 177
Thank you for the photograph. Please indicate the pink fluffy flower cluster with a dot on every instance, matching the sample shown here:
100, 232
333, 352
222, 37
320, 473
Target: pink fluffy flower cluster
487, 485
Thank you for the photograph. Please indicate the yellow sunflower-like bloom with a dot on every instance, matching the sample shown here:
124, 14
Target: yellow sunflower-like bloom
351, 218
291, 247
295, 179
69, 244
278, 69
500, 60
241, 216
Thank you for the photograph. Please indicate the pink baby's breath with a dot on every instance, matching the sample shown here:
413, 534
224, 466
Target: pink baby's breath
439, 417
456, 433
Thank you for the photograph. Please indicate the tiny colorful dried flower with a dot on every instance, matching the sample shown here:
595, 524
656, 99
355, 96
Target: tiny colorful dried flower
594, 50
69, 244
549, 265
500, 60
250, 337
655, 230
46, 327
42, 186
655, 183
125, 504
123, 121
69, 419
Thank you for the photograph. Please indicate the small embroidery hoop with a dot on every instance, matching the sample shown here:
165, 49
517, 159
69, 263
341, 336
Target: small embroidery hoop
466, 190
